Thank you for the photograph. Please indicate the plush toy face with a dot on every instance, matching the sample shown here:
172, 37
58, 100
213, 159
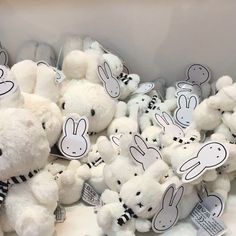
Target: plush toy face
152, 134
90, 100
57, 166
114, 62
114, 177
23, 143
140, 100
122, 125
48, 113
142, 195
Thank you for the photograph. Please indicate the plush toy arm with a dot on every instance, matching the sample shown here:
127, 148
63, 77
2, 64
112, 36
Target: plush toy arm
109, 196
67, 177
142, 225
104, 217
44, 188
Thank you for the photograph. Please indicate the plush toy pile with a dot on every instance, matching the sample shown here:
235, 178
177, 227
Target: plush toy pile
144, 154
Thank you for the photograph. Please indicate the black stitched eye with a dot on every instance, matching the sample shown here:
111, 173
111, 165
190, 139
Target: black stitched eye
60, 172
135, 174
43, 125
52, 163
154, 140
118, 182
116, 130
143, 99
150, 209
146, 139
0, 151
130, 132
92, 112
63, 105
138, 193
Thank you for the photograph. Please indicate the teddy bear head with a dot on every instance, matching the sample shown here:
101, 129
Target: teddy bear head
114, 163
23, 143
143, 193
48, 113
90, 100
125, 121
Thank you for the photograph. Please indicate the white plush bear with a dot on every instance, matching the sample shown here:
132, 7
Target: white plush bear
28, 195
70, 177
125, 121
10, 92
39, 79
225, 99
206, 117
139, 200
48, 113
90, 100
114, 163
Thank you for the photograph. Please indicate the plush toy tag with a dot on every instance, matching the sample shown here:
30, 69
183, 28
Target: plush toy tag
42, 63
110, 83
90, 196
74, 142
142, 153
198, 74
115, 139
144, 88
168, 125
7, 86
185, 107
210, 156
3, 57
60, 213
214, 202
59, 76
188, 89
207, 224
168, 214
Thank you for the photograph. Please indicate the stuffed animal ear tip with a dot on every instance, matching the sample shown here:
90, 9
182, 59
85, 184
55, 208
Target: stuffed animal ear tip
223, 82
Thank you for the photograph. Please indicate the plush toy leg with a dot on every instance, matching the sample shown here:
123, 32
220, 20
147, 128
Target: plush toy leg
35, 221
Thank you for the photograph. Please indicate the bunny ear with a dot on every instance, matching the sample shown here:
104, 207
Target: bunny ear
168, 196
194, 173
69, 126
107, 70
167, 118
178, 196
140, 143
102, 74
82, 127
189, 164
182, 101
136, 154
3, 57
193, 102
160, 121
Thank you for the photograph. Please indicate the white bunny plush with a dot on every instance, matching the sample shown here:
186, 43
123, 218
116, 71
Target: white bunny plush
36, 78
113, 176
205, 117
70, 177
37, 51
28, 195
137, 205
184, 112
48, 113
10, 93
125, 121
225, 99
90, 100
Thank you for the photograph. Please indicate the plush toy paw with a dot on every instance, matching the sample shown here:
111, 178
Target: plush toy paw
143, 225
67, 178
83, 172
104, 218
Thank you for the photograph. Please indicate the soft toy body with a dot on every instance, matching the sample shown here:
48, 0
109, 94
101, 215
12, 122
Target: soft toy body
31, 200
137, 202
114, 163
90, 100
70, 177
48, 113
38, 79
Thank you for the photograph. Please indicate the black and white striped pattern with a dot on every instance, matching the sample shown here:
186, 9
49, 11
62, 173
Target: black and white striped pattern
151, 105
125, 78
128, 214
95, 163
5, 185
91, 133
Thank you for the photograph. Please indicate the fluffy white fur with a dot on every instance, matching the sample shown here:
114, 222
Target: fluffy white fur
29, 206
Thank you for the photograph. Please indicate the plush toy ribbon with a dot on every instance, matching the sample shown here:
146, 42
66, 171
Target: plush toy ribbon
95, 163
5, 185
128, 214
